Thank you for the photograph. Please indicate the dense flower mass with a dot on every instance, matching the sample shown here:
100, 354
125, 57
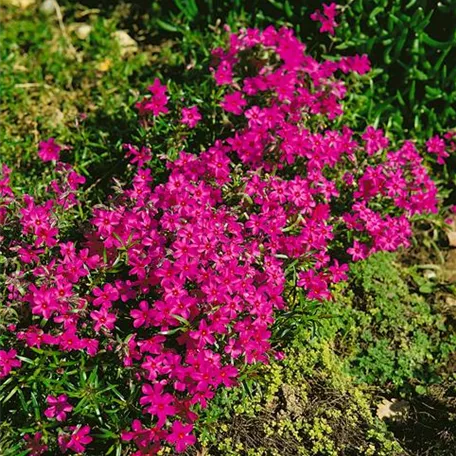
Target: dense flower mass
181, 279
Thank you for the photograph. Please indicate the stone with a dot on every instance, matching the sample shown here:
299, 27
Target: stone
82, 31
392, 409
47, 7
23, 4
127, 44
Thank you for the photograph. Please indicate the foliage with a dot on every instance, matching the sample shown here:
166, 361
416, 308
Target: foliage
388, 335
410, 46
412, 340
304, 405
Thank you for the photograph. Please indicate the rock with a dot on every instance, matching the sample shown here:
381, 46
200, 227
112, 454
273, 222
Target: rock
449, 268
23, 4
429, 274
47, 7
127, 44
392, 409
451, 230
82, 31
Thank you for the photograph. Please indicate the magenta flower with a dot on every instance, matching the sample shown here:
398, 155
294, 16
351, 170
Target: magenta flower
195, 262
138, 156
148, 440
203, 335
49, 150
181, 436
77, 440
156, 104
357, 63
227, 376
375, 140
161, 404
8, 362
191, 116
103, 319
106, 296
69, 340
436, 145
34, 444
142, 315
59, 407
234, 103
358, 251
327, 18
224, 73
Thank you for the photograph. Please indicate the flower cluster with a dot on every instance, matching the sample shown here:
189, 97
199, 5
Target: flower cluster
440, 146
181, 279
156, 103
327, 19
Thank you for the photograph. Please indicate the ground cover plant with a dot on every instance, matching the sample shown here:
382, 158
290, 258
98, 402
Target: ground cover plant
148, 278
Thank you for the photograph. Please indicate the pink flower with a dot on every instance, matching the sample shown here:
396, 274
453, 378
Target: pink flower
103, 319
436, 145
76, 441
59, 406
358, 251
339, 272
70, 341
234, 103
142, 315
191, 116
316, 284
196, 261
49, 150
227, 375
34, 444
156, 104
375, 140
44, 302
148, 440
161, 404
203, 335
327, 19
357, 63
75, 180
224, 73
8, 362
106, 296
138, 156
181, 436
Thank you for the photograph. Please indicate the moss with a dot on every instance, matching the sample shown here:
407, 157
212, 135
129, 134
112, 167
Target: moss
306, 405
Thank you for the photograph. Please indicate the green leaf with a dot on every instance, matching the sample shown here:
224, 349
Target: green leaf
10, 395
434, 43
166, 26
421, 390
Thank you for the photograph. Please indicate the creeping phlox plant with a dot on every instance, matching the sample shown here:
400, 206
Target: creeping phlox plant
190, 271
